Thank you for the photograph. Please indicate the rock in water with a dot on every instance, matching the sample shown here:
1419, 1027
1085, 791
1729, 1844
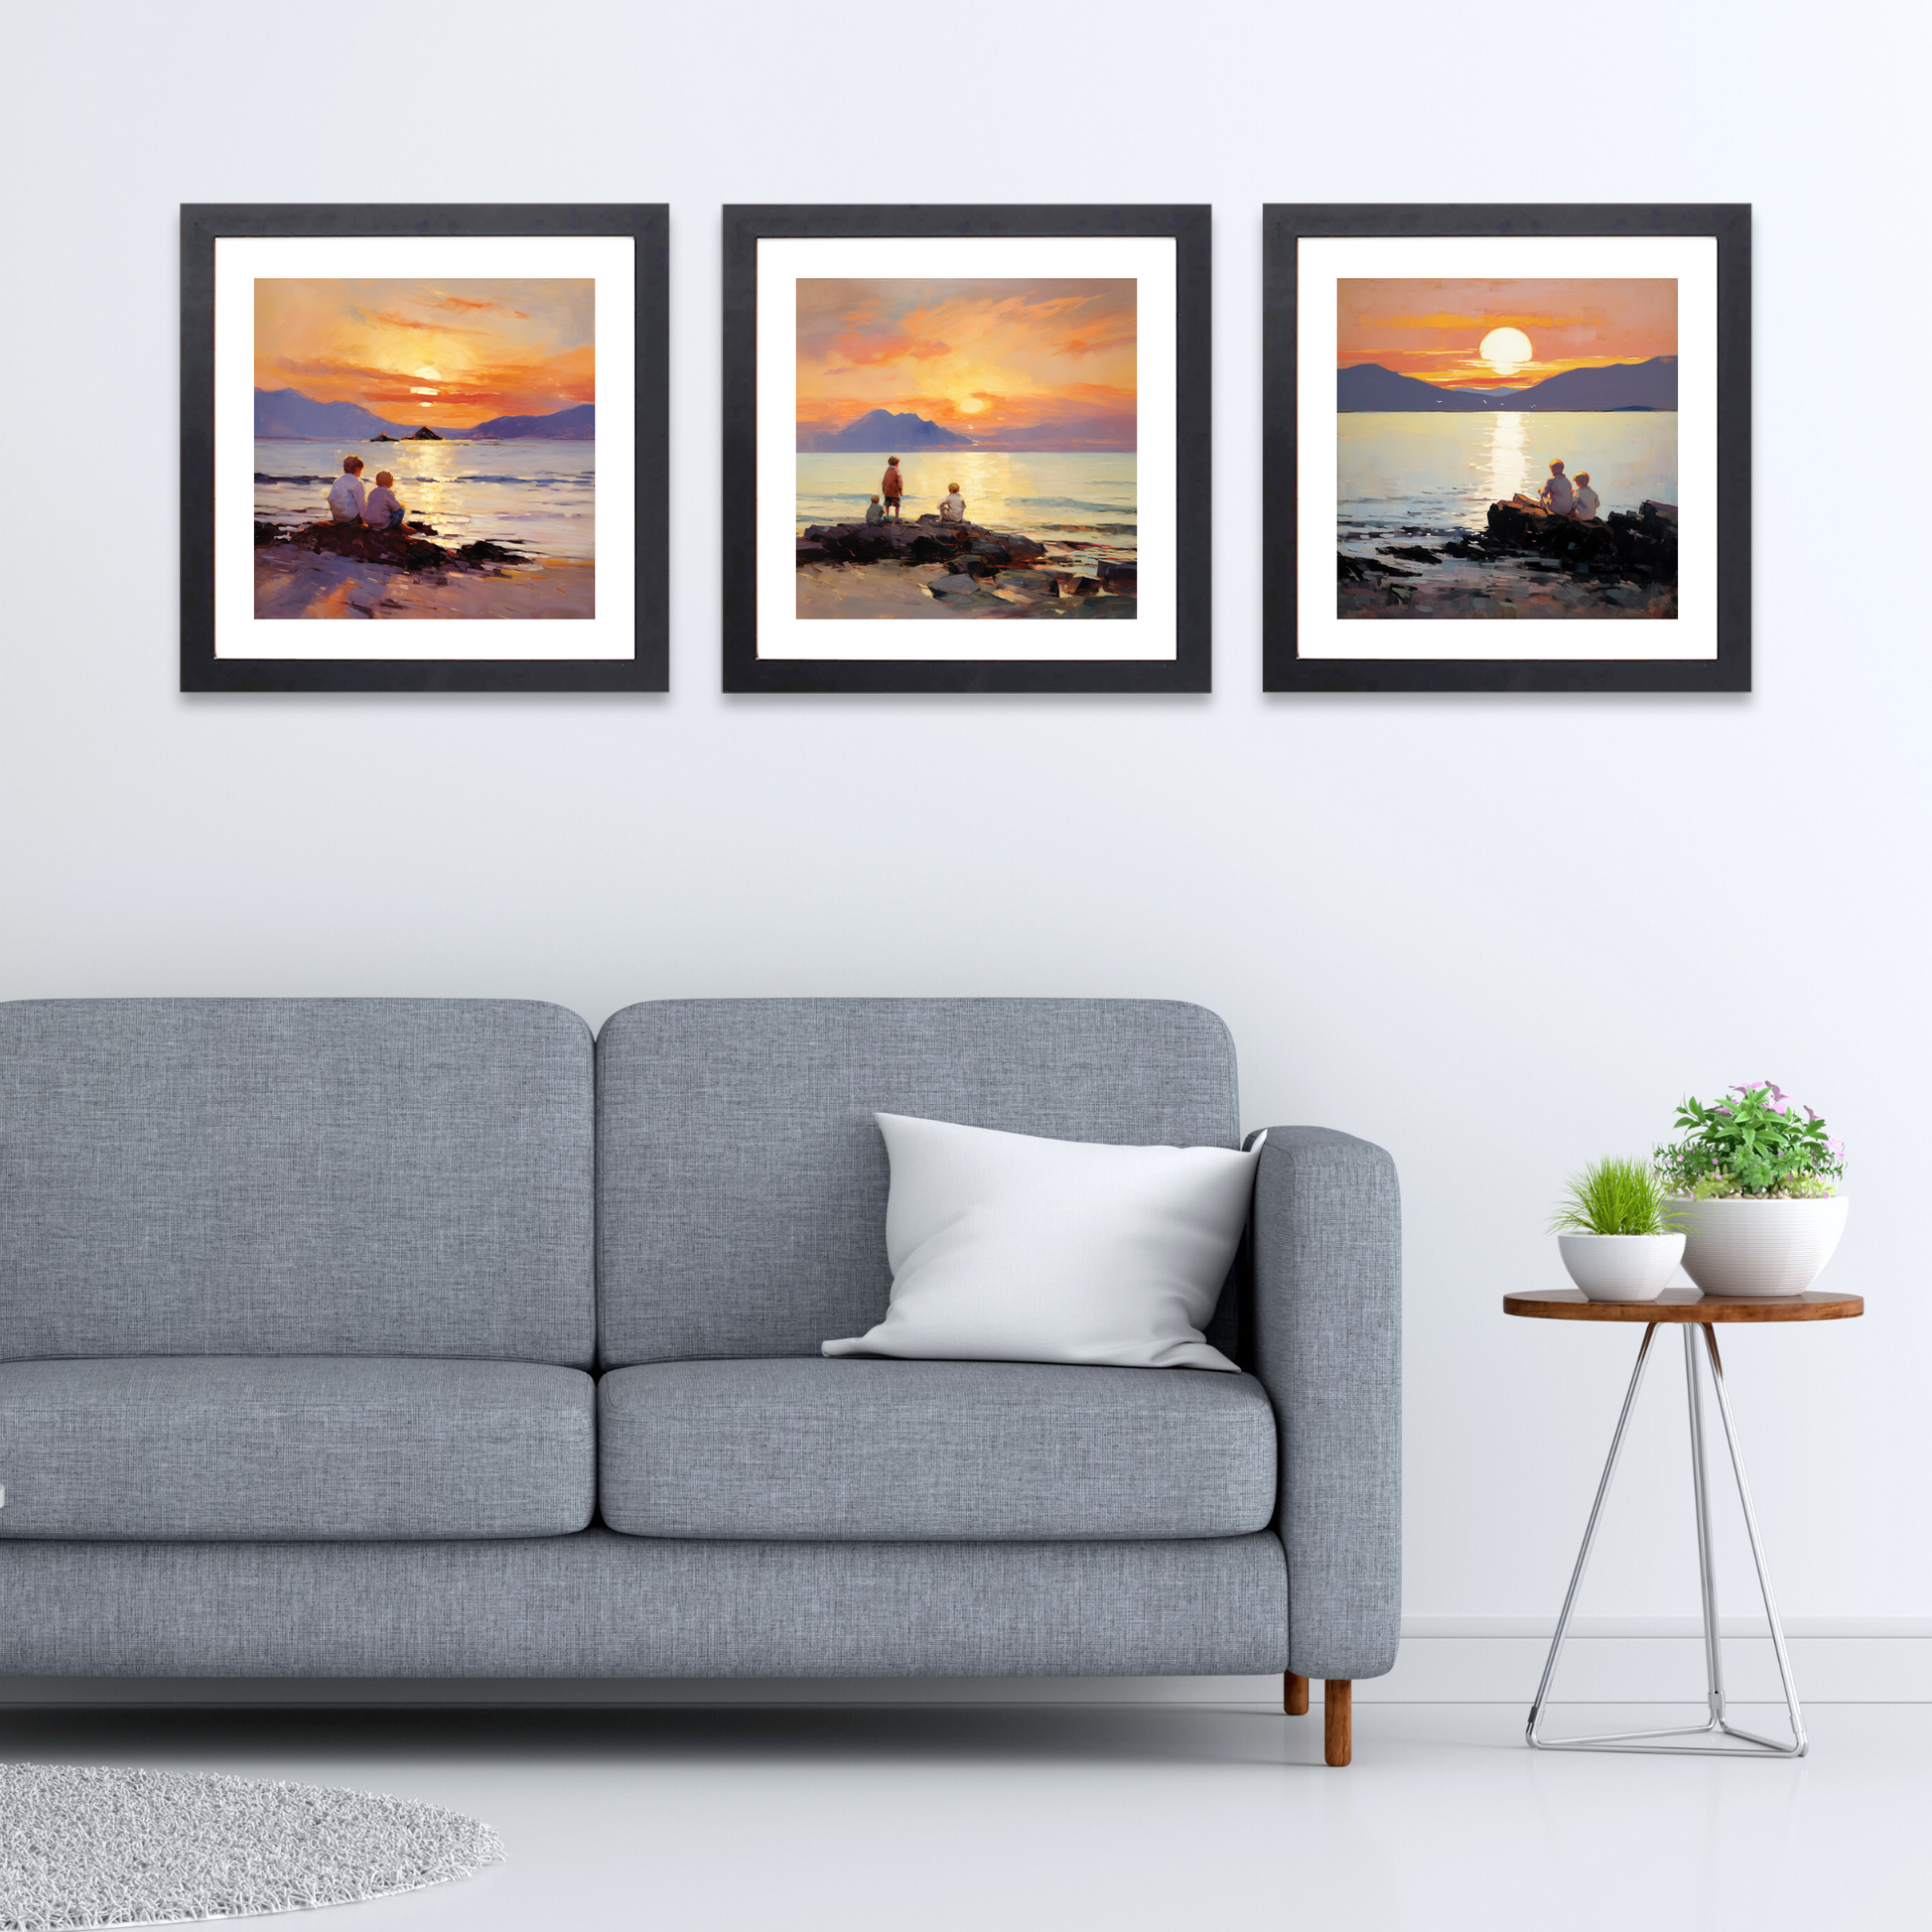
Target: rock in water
423, 435
1644, 546
928, 541
396, 547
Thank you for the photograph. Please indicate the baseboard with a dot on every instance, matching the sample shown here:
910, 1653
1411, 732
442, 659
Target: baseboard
1644, 1660
1444, 1660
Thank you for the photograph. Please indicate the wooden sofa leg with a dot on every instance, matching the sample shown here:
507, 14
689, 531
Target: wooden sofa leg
1337, 1730
1295, 1694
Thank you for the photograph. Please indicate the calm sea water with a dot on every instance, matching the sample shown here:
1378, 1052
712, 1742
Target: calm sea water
1442, 472
538, 495
1004, 489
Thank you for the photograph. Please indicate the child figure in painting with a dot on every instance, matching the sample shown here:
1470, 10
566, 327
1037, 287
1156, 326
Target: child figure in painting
874, 511
893, 485
952, 508
1586, 499
384, 509
346, 494
1556, 494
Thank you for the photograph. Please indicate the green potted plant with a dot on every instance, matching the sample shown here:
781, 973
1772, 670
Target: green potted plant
1756, 1189
1617, 1232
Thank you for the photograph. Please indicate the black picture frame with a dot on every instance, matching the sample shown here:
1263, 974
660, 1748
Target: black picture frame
1190, 669
1284, 669
647, 669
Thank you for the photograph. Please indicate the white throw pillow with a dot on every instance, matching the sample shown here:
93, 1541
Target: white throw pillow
1006, 1248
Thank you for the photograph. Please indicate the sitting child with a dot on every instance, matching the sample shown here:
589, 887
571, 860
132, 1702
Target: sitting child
874, 511
1587, 500
384, 509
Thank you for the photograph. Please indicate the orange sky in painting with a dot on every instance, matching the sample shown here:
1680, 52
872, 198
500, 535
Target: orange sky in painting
1014, 364
447, 353
1432, 328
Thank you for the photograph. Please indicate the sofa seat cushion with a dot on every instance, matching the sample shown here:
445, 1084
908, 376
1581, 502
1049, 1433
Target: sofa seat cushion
901, 1450
275, 1447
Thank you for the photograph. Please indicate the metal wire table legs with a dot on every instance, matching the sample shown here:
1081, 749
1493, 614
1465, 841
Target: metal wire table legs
1716, 1724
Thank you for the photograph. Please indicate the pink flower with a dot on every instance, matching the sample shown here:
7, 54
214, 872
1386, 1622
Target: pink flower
1834, 1146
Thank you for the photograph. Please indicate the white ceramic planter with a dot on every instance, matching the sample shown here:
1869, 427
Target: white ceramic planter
1621, 1266
1759, 1247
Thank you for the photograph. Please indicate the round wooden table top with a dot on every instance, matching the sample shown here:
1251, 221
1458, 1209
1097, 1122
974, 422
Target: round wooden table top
1687, 1304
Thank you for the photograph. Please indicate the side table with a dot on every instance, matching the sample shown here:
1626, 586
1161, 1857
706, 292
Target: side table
1697, 1315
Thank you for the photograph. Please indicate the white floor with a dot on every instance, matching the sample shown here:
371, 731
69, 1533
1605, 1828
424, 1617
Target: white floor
1068, 1818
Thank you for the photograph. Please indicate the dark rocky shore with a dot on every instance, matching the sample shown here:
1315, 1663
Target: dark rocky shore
406, 549
1526, 563
974, 568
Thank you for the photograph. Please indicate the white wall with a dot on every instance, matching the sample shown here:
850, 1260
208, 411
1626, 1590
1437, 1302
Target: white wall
1498, 935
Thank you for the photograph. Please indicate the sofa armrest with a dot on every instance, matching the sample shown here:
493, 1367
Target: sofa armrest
1326, 1342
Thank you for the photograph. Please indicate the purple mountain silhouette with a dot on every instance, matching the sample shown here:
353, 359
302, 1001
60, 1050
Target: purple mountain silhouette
881, 430
288, 412
1623, 385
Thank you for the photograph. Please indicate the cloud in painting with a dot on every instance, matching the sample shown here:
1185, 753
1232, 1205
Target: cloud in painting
1012, 364
1433, 330
498, 349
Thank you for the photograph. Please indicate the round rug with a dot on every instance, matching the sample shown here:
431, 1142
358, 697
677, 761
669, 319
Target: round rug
89, 1846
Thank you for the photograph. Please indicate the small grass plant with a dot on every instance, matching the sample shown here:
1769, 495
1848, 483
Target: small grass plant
1615, 1196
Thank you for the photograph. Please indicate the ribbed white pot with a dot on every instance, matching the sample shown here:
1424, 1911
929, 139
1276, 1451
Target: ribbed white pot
1621, 1266
1759, 1247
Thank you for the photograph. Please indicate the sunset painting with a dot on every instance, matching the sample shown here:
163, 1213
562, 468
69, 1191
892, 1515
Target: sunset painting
1506, 448
424, 448
966, 448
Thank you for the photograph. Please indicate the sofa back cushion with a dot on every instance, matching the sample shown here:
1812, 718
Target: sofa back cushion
295, 1177
742, 1178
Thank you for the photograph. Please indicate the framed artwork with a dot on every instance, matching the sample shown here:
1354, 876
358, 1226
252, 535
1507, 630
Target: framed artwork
1524, 436
394, 414
966, 448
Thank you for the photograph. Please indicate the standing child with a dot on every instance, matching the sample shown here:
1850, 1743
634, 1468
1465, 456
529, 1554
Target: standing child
893, 485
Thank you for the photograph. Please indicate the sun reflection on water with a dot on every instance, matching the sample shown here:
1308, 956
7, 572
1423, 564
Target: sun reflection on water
1509, 454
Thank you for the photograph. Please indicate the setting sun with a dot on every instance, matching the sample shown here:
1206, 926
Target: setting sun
1506, 350
969, 406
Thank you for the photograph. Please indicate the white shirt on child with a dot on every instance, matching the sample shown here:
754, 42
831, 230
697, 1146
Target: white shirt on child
1586, 502
953, 509
1557, 493
345, 499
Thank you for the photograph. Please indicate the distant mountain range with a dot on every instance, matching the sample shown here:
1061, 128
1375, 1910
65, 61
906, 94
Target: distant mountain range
288, 412
1623, 385
577, 425
881, 430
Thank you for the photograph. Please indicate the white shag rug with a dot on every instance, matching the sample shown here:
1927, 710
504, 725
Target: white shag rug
91, 1845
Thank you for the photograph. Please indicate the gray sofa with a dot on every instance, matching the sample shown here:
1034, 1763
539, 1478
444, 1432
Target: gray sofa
399, 1338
